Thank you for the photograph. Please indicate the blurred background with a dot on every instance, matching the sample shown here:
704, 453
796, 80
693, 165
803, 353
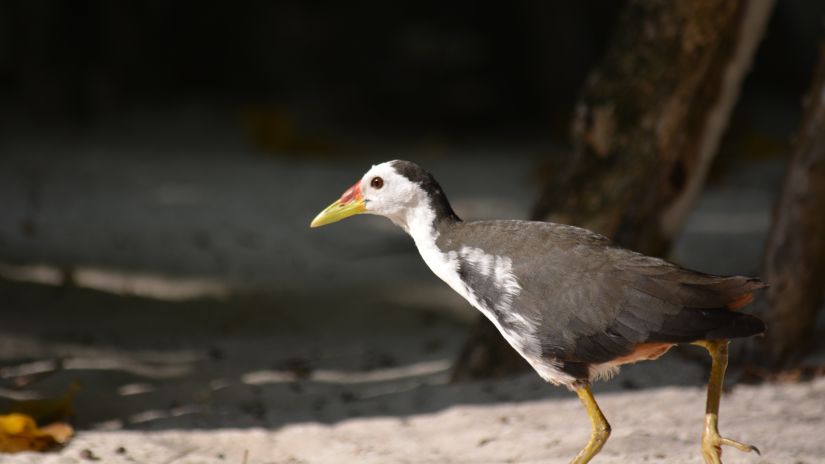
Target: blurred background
424, 70
160, 163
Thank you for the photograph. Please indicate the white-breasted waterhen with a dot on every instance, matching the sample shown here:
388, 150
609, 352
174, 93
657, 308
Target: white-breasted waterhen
572, 303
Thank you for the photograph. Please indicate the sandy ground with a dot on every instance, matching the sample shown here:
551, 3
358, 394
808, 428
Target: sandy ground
658, 425
263, 379
204, 322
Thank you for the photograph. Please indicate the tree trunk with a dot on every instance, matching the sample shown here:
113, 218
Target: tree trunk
645, 131
794, 260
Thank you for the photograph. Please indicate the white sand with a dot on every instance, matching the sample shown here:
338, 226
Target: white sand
656, 425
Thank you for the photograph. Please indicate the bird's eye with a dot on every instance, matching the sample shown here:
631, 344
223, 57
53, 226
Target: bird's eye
377, 182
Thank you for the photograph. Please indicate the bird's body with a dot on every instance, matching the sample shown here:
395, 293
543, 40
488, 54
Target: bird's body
572, 303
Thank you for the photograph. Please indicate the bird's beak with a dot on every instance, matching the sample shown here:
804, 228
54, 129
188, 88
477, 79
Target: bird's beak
350, 204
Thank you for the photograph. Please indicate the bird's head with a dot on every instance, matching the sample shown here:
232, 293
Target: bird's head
393, 189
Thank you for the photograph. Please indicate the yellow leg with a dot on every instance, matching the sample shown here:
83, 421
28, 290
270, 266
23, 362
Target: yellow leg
601, 429
711, 440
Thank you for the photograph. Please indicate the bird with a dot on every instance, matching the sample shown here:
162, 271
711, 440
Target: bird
575, 305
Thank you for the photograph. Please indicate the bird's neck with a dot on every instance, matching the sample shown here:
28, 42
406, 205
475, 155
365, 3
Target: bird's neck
419, 222
425, 221
425, 227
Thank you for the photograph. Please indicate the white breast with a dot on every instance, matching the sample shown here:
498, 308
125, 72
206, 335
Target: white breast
446, 266
519, 331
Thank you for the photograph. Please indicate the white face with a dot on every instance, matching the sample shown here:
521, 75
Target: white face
390, 194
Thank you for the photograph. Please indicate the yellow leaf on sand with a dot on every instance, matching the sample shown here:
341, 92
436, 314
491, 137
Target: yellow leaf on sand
19, 432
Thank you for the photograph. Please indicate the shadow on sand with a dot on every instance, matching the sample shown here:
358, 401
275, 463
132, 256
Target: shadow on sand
252, 360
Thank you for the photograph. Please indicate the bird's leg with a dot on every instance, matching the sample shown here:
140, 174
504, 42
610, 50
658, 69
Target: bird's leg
601, 429
711, 440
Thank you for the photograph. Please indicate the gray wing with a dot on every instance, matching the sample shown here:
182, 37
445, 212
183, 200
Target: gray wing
593, 301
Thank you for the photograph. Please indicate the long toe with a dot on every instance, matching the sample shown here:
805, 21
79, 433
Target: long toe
712, 447
744, 447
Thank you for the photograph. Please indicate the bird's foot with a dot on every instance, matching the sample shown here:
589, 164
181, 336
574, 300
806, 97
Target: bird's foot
712, 447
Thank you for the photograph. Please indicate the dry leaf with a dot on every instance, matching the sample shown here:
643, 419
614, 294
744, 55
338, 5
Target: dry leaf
19, 432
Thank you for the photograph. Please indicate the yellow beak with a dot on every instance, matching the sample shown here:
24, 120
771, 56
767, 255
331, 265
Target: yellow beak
350, 204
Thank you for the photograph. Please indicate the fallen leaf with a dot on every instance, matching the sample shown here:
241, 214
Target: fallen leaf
19, 432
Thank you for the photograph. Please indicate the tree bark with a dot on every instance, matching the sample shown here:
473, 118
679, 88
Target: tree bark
645, 131
794, 260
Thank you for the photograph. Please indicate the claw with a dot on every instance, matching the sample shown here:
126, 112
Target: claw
712, 447
744, 447
711, 441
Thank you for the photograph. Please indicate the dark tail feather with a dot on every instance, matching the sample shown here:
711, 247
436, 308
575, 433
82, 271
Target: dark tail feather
741, 326
693, 324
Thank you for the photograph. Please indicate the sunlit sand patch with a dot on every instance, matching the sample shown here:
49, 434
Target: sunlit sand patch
118, 282
422, 369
